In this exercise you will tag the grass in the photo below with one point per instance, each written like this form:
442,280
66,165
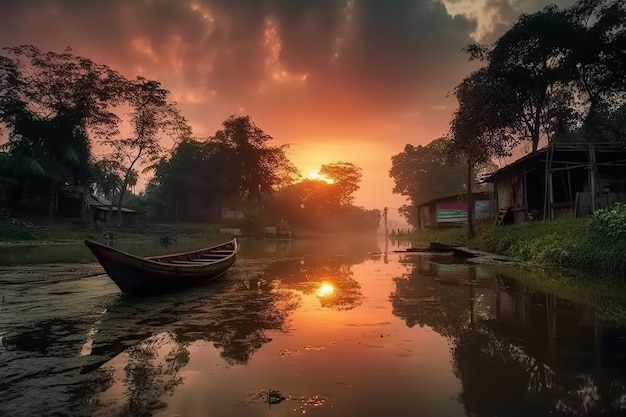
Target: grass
569,243
77,231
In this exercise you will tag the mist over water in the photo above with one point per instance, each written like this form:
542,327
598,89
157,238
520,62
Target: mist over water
337,327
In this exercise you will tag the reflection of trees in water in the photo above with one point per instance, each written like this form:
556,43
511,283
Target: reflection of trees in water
148,379
253,308
235,319
308,274
512,362
501,379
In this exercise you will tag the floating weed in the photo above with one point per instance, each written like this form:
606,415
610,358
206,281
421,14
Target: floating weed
273,397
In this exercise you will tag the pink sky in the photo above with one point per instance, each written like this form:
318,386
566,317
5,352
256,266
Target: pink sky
341,80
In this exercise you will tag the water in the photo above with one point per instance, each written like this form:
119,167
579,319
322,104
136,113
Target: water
336,328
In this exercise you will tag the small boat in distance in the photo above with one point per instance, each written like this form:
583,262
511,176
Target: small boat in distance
157,274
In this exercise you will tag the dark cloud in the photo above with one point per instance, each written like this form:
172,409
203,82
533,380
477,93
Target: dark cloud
388,54
302,68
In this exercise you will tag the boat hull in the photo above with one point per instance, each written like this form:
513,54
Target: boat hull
144,276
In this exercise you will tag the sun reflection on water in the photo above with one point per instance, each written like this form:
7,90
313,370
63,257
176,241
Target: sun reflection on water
325,290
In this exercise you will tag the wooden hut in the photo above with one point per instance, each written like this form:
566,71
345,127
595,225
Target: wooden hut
560,180
451,211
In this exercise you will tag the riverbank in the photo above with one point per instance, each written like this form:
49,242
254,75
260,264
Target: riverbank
26,233
578,244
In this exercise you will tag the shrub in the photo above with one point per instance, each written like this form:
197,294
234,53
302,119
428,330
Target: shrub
609,223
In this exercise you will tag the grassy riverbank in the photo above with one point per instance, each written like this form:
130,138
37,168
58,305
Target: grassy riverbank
73,232
37,233
587,244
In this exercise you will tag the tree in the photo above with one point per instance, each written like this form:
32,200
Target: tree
193,180
475,136
51,105
598,61
255,168
151,116
346,178
107,177
423,173
528,65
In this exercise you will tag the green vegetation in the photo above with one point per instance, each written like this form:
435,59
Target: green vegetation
55,107
77,231
589,244
606,293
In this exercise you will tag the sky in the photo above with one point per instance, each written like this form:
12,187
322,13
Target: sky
339,80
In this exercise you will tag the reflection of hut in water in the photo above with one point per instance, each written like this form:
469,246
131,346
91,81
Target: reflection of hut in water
561,333
447,270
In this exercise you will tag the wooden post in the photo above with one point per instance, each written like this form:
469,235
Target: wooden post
551,197
525,190
592,176
569,188
470,203
546,194
385,210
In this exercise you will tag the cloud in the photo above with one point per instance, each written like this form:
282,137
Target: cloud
322,58
306,70
494,17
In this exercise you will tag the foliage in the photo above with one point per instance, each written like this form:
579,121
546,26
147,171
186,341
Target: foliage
346,178
476,131
322,205
556,74
423,173
609,223
569,243
254,168
192,182
151,116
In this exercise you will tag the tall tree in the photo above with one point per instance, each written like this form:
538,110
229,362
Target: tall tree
151,116
528,65
475,136
52,105
599,62
346,178
256,168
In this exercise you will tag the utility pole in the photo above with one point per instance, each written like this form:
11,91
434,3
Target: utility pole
385,210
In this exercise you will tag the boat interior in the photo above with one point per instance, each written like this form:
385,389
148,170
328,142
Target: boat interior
195,258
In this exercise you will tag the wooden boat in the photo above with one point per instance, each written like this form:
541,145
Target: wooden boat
157,274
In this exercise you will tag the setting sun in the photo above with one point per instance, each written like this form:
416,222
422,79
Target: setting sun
316,176
325,290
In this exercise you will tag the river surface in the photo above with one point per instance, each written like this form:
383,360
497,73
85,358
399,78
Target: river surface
336,327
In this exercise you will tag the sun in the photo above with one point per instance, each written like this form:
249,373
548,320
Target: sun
325,290
316,176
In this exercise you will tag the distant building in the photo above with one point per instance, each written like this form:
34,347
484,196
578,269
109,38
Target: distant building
560,180
451,211
99,209
232,214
